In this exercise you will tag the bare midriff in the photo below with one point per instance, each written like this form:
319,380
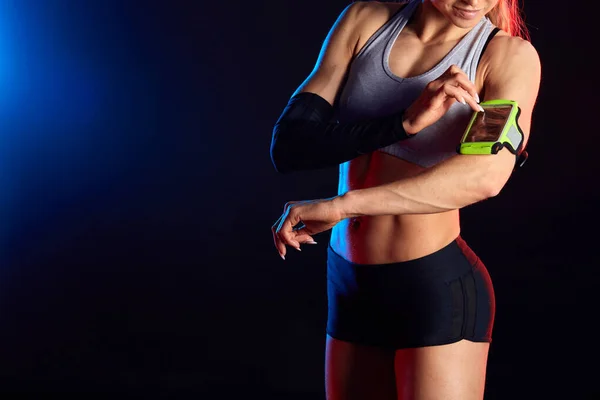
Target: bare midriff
390,238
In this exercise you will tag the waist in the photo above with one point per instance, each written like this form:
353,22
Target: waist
435,264
394,238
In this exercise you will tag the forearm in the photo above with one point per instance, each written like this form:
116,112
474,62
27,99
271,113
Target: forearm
304,137
453,184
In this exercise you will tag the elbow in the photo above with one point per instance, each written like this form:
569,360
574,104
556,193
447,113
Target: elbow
493,190
494,185
278,160
280,152
494,179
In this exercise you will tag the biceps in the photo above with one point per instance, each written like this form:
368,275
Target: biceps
524,92
517,78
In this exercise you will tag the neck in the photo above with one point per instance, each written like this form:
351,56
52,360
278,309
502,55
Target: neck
431,26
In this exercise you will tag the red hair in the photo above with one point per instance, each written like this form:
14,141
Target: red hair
508,16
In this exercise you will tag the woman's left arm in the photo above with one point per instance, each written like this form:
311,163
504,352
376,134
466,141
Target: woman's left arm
514,73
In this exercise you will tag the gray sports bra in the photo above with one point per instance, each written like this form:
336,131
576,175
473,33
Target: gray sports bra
372,89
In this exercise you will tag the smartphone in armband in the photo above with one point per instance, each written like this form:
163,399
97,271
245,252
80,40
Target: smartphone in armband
493,129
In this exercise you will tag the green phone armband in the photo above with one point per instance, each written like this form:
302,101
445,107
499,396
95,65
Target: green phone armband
490,131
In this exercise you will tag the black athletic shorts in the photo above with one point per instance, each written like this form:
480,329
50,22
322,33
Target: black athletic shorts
437,299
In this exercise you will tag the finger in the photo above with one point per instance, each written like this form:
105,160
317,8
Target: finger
447,93
461,95
298,226
276,224
470,100
278,244
280,247
435,85
454,70
463,81
304,238
287,236
285,231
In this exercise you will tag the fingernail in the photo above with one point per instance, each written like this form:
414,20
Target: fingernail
282,256
477,98
311,242
481,109
298,248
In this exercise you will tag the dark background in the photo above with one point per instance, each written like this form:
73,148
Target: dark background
138,194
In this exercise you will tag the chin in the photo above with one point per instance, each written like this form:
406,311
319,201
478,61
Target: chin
463,24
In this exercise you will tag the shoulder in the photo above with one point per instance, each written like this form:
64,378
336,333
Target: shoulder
508,54
371,12
366,17
513,71
511,48
358,13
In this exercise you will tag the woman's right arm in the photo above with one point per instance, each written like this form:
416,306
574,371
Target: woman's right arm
305,137
336,54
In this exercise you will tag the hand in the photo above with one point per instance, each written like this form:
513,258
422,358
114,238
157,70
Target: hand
302,219
452,86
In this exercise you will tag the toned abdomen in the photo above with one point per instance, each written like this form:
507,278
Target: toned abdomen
390,238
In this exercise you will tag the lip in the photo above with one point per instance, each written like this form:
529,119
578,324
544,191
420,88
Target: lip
466,14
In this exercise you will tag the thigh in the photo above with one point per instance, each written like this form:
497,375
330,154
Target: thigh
358,372
454,371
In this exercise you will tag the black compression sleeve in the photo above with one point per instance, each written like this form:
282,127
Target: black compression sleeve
305,138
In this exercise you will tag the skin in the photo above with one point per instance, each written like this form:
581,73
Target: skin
389,210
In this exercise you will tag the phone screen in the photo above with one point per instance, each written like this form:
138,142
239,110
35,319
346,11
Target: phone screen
488,125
